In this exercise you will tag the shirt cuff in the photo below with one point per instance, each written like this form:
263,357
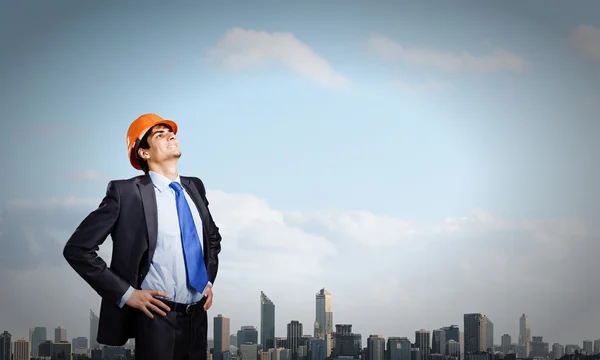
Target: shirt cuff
207,285
126,297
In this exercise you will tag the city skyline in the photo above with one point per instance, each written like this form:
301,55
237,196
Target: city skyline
477,336
421,161
522,336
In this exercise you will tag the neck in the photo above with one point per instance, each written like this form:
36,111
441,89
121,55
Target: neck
168,170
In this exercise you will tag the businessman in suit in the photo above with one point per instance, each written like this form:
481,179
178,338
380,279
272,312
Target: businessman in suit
158,287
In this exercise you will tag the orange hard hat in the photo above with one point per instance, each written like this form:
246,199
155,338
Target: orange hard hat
138,129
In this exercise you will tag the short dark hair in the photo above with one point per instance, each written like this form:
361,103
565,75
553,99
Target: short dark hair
143,144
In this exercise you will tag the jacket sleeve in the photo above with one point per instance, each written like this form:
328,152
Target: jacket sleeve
81,249
214,237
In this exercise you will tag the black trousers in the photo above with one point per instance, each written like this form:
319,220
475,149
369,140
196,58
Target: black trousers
177,336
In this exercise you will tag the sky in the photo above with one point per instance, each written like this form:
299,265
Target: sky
419,161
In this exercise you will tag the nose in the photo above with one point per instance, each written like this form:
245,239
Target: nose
172,136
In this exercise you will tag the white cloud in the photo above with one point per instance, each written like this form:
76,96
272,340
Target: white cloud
430,273
586,40
498,60
241,49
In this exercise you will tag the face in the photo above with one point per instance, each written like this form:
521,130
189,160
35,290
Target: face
164,145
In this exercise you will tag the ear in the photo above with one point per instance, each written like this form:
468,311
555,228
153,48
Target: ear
143,153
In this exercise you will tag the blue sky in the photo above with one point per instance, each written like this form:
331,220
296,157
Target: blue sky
95,69
434,123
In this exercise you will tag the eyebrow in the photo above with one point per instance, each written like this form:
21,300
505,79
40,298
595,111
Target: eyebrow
161,131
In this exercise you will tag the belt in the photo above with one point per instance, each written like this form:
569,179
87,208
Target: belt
183,308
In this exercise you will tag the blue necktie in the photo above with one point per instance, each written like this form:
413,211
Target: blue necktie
192,250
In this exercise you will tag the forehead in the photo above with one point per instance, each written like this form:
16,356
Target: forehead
160,128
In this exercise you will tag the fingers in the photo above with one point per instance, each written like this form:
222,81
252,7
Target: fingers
208,303
147,303
162,305
158,293
155,309
148,313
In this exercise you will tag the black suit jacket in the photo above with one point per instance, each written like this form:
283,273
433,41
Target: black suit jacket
128,213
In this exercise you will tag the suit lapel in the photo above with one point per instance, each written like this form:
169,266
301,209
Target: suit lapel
150,212
193,191
195,195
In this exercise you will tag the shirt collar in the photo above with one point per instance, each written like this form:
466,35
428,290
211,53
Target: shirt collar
161,182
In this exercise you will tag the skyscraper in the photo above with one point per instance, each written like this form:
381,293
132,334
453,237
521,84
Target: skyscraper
38,334
438,342
22,350
452,333
525,335
222,331
558,350
398,348
346,343
267,322
423,343
489,333
94,331
475,336
60,334
376,347
294,333
323,315
505,343
247,334
5,346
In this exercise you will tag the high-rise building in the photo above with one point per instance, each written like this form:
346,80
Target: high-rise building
79,343
475,336
398,348
323,316
50,349
62,350
267,322
588,347
453,333
489,333
505,343
539,348
453,349
525,335
317,349
597,346
221,330
423,343
22,350
94,320
294,333
249,351
376,347
247,335
571,348
346,343
438,342
5,346
37,335
60,334
558,351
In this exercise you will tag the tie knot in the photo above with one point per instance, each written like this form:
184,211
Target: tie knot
175,186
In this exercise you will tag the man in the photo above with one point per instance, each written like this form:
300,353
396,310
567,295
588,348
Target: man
158,287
